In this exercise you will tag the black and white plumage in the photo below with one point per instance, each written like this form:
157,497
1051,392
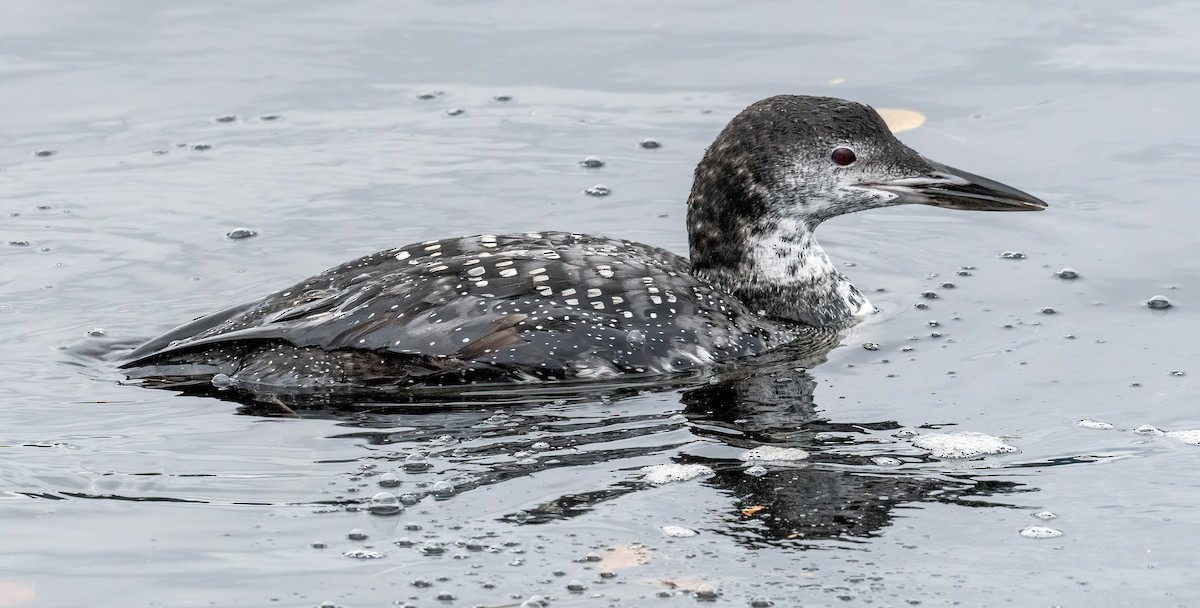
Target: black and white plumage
559,306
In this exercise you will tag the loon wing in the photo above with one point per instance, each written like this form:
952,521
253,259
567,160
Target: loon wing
507,300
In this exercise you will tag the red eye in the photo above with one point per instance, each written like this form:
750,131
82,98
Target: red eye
843,156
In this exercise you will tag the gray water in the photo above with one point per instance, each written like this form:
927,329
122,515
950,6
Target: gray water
163,128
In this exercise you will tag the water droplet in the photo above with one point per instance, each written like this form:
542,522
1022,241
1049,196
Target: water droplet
1158,303
598,190
591,162
241,233
636,339
1067,273
389,480
442,490
384,503
650,143
416,462
705,591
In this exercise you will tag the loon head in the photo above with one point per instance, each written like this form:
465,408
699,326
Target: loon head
787,163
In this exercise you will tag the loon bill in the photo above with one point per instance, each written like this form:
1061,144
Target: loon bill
547,306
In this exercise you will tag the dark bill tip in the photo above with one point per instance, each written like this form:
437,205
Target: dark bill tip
956,189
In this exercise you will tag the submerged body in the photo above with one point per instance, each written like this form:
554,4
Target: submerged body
560,306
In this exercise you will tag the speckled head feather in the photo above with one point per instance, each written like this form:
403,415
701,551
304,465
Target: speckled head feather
771,178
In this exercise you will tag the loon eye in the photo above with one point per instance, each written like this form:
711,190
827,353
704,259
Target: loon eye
843,156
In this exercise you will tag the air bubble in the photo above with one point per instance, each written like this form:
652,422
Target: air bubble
384,503
442,490
706,591
1067,273
1012,255
241,233
636,339
432,547
591,162
1158,303
650,143
222,381
416,462
598,190
389,480
357,534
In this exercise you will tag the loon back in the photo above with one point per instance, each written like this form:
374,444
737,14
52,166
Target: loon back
533,306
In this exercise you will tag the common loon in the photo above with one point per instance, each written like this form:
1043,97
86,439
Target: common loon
546,306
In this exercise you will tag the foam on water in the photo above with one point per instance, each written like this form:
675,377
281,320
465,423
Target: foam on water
771,453
660,474
962,445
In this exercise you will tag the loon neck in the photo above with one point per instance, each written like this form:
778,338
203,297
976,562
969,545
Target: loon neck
784,273
742,243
